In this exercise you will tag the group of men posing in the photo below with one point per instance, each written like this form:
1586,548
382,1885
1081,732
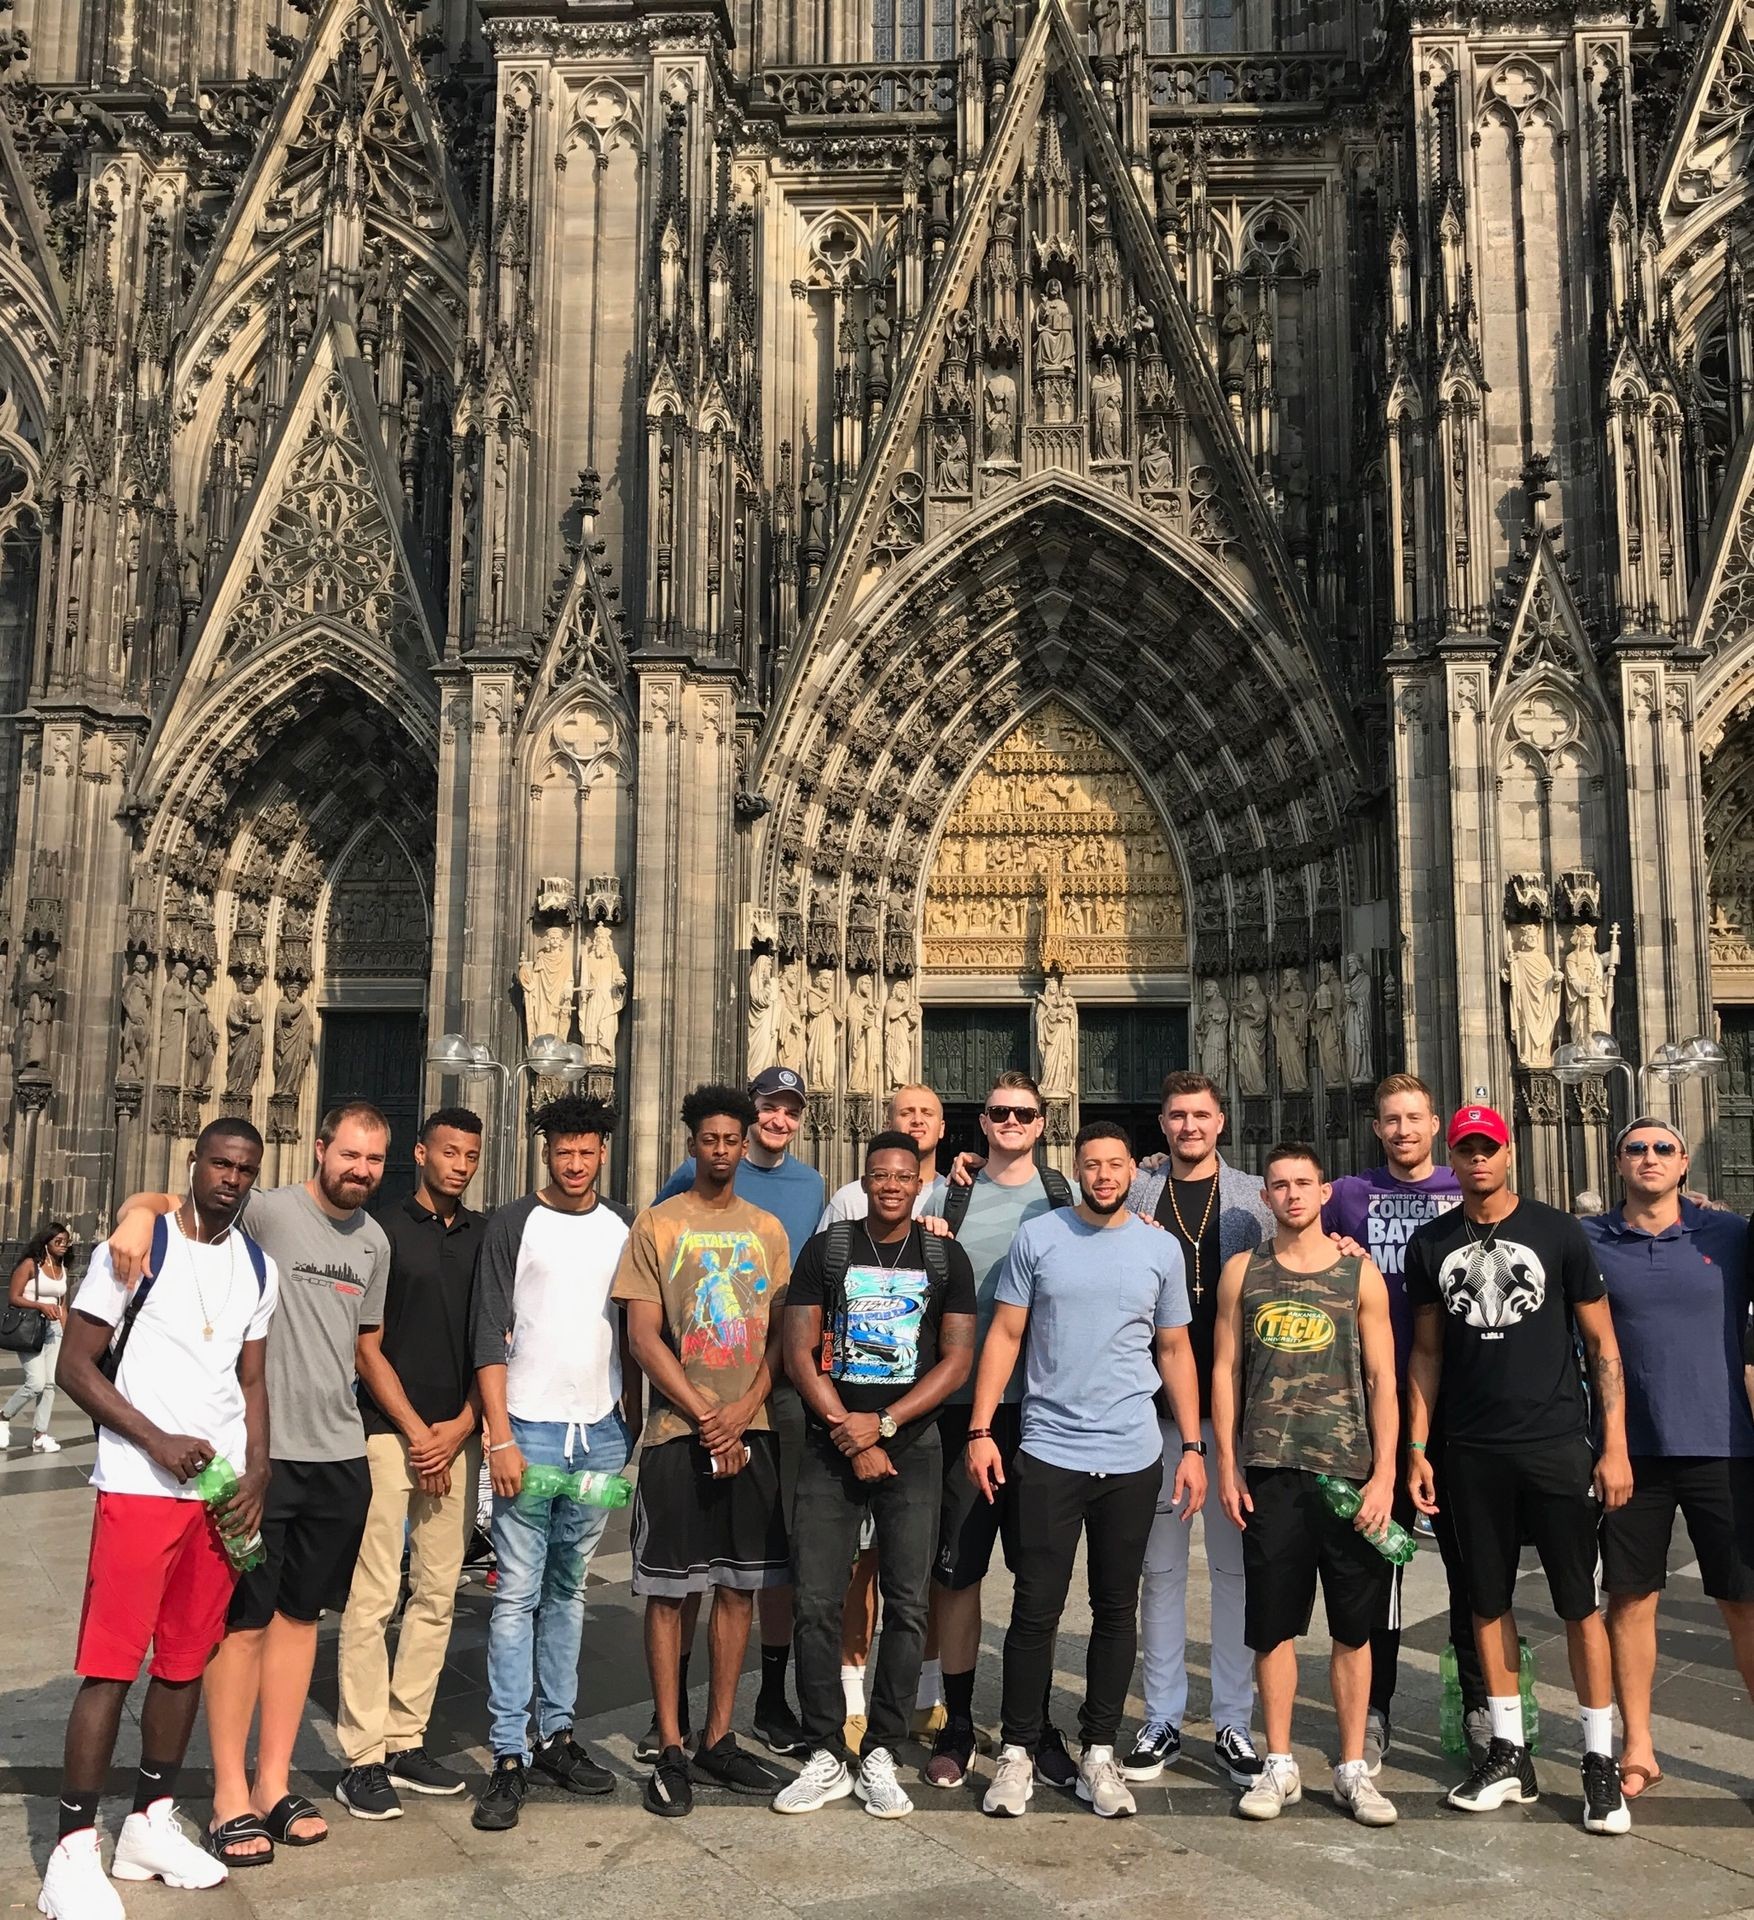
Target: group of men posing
858,1401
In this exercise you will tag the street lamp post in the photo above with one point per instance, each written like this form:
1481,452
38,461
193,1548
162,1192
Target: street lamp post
545,1056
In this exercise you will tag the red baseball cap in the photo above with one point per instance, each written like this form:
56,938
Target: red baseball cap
1485,1121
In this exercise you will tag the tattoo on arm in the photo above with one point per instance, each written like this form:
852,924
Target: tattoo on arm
957,1331
1609,1379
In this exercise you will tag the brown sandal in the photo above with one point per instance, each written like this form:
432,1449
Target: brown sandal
1647,1776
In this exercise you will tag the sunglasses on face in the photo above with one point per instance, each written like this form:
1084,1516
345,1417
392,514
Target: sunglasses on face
1663,1149
1022,1115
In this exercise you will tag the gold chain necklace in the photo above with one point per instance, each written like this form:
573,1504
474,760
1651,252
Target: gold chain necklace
1194,1240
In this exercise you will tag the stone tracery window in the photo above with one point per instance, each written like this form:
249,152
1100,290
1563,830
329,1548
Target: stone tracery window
913,29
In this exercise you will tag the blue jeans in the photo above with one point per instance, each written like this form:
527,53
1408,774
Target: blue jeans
539,1603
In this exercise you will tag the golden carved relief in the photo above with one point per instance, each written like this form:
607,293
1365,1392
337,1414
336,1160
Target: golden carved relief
1053,857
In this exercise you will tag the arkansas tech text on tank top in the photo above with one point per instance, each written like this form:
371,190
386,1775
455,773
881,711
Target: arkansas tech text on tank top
1302,1383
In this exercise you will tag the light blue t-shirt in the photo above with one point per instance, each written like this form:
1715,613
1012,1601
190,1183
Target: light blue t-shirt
988,1228
1096,1297
791,1192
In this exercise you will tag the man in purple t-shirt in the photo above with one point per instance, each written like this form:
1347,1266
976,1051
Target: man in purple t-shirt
1375,1213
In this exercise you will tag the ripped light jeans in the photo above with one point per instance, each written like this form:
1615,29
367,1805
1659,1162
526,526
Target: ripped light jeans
539,1604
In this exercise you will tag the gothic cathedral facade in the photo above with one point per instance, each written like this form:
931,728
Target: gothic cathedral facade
897,537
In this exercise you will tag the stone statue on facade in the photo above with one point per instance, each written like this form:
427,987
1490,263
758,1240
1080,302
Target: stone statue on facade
243,1039
136,1019
602,998
1212,1032
173,1016
1236,341
1328,1024
547,981
821,1033
1535,988
1360,1068
1107,402
999,411
863,1043
901,1024
1156,462
1248,1036
292,1041
1056,1039
1291,1031
791,1016
36,1009
1589,982
764,1014
202,1035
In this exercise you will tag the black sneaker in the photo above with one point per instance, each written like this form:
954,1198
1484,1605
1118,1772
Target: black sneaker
668,1793
651,1743
501,1801
1604,1805
1235,1752
1159,1745
479,1552
952,1752
568,1765
728,1765
366,1793
1054,1766
778,1729
416,1769
1506,1777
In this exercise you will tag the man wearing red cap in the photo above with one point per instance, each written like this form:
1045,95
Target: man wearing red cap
1497,1286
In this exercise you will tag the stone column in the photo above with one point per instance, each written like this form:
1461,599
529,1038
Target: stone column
1424,964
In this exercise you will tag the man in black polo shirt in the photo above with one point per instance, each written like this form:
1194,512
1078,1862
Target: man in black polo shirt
417,1398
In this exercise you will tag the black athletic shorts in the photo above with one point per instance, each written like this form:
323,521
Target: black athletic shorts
968,1523
1290,1540
312,1524
1500,1497
694,1529
1714,1497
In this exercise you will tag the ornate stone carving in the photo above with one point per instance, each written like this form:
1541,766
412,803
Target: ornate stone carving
293,1040
821,1032
1248,1037
1589,981
1056,1040
173,1017
1212,1032
901,1030
549,988
377,926
203,1036
1360,1064
243,1040
764,1014
136,1008
602,995
1328,1024
1535,986
1053,857
791,1015
864,1045
1291,1017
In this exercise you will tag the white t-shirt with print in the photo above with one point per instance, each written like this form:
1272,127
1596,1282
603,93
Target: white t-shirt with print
181,1381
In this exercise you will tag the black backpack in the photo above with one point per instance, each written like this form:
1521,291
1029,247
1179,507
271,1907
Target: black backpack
1057,1186
837,1256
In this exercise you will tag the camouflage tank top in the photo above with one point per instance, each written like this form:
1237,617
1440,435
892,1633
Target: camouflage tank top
1302,1381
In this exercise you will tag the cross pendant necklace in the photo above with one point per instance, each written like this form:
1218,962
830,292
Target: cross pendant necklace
1193,1240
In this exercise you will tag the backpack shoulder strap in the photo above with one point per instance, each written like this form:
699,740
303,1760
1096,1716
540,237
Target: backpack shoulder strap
936,1250
956,1200
1057,1187
837,1256
258,1260
161,1240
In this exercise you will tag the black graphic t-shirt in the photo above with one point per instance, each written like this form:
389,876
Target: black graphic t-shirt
1182,1208
1510,1368
881,1335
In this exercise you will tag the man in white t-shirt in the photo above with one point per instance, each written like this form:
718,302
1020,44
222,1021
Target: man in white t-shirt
190,1387
548,1356
918,1112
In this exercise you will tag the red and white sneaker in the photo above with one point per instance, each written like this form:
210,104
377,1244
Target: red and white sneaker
75,1886
153,1846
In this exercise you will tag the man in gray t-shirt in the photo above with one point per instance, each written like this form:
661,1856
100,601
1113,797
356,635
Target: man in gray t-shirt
334,1263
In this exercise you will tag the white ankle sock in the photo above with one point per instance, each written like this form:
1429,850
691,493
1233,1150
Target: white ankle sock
931,1692
1280,1760
852,1684
1598,1729
1507,1719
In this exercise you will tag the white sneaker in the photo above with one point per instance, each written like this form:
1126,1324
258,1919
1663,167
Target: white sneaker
5,1435
74,1884
153,1846
45,1443
1100,1782
1280,1786
1360,1796
878,1787
824,1778
1013,1784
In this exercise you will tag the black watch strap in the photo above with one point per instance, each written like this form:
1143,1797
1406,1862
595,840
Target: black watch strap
1194,1446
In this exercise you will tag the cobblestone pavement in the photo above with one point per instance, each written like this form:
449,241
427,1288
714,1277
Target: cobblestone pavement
1691,1851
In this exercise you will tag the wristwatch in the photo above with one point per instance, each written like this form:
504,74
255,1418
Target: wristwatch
1194,1446
886,1425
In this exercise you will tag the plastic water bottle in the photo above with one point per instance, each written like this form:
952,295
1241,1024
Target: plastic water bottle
216,1482
1452,1726
540,1485
1525,1686
1344,1500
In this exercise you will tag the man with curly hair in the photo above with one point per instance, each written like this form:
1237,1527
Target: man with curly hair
548,1342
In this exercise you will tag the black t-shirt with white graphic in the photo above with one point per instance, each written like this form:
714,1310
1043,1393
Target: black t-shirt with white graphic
1510,1369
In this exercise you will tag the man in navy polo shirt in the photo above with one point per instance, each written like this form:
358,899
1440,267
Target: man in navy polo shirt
1677,1277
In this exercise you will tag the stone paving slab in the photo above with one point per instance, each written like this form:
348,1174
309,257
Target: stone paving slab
1690,1855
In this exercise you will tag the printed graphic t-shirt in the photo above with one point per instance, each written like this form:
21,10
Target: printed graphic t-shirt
1510,1372
791,1192
718,1273
333,1277
881,1336
1380,1213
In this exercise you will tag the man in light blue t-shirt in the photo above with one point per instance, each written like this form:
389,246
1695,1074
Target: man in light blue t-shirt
1104,1303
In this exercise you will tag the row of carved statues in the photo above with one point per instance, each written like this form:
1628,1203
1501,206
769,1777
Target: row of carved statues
1549,974
188,1039
805,1020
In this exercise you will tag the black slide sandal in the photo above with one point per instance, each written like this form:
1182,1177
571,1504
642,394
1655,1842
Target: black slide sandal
220,1840
280,1817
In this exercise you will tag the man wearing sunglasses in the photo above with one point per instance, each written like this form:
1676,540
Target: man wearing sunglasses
1677,1277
